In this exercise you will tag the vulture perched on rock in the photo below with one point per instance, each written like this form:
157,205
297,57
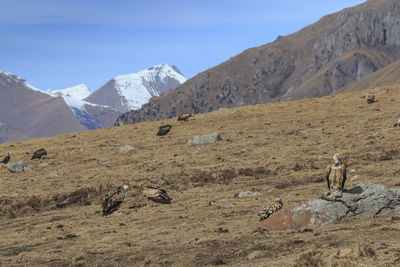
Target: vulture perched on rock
271,208
163,130
336,174
39,154
156,194
5,159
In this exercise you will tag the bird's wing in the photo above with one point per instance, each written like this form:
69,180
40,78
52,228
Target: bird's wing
328,172
344,173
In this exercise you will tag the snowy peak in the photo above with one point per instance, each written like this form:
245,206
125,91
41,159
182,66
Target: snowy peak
9,79
78,92
137,88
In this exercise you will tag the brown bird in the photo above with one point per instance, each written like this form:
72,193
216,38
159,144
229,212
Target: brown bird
39,154
163,130
5,159
271,208
184,116
336,174
370,98
113,200
156,194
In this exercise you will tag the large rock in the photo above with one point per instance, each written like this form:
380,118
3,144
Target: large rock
366,200
207,138
19,166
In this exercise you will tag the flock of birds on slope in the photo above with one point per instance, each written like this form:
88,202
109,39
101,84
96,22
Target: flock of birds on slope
335,177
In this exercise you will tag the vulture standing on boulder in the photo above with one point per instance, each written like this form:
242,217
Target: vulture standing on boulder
336,174
39,154
184,116
156,194
163,130
271,208
5,159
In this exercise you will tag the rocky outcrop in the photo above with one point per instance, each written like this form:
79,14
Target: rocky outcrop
316,61
365,200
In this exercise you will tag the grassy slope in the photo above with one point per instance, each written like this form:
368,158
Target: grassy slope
263,149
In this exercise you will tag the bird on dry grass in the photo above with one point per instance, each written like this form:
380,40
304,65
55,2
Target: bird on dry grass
370,98
39,154
114,199
155,193
271,208
5,159
184,116
336,174
397,124
163,130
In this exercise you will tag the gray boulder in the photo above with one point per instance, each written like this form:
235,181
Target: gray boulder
363,200
207,138
19,166
126,148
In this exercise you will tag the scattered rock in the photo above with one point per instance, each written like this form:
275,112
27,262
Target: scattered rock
222,230
43,164
247,193
311,130
153,139
207,138
69,152
103,161
19,166
126,148
355,177
366,200
253,255
198,150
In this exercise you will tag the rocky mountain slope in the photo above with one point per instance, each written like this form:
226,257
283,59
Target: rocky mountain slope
27,112
51,215
318,60
129,92
387,75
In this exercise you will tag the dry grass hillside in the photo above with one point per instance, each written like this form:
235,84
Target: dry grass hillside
280,150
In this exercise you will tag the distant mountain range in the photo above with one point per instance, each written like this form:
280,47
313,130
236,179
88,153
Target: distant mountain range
323,58
27,112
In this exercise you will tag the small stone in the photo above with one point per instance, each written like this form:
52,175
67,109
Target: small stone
355,177
153,139
103,161
43,164
69,152
253,255
19,166
126,148
198,150
207,138
247,193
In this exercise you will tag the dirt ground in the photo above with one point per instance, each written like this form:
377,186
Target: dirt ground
279,150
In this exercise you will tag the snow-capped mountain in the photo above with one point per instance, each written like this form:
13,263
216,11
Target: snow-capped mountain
80,92
85,111
130,91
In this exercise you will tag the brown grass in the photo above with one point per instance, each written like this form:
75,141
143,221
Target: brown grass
51,216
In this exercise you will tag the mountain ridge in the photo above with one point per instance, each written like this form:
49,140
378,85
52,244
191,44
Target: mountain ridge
317,60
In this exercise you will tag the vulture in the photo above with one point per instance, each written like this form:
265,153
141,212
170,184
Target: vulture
336,174
163,130
5,159
184,116
113,200
370,98
271,208
39,154
156,194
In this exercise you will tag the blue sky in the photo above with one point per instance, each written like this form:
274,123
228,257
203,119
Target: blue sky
55,44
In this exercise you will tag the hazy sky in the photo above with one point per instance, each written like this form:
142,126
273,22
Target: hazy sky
55,44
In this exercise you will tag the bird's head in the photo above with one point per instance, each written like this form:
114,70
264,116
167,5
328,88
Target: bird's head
337,158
